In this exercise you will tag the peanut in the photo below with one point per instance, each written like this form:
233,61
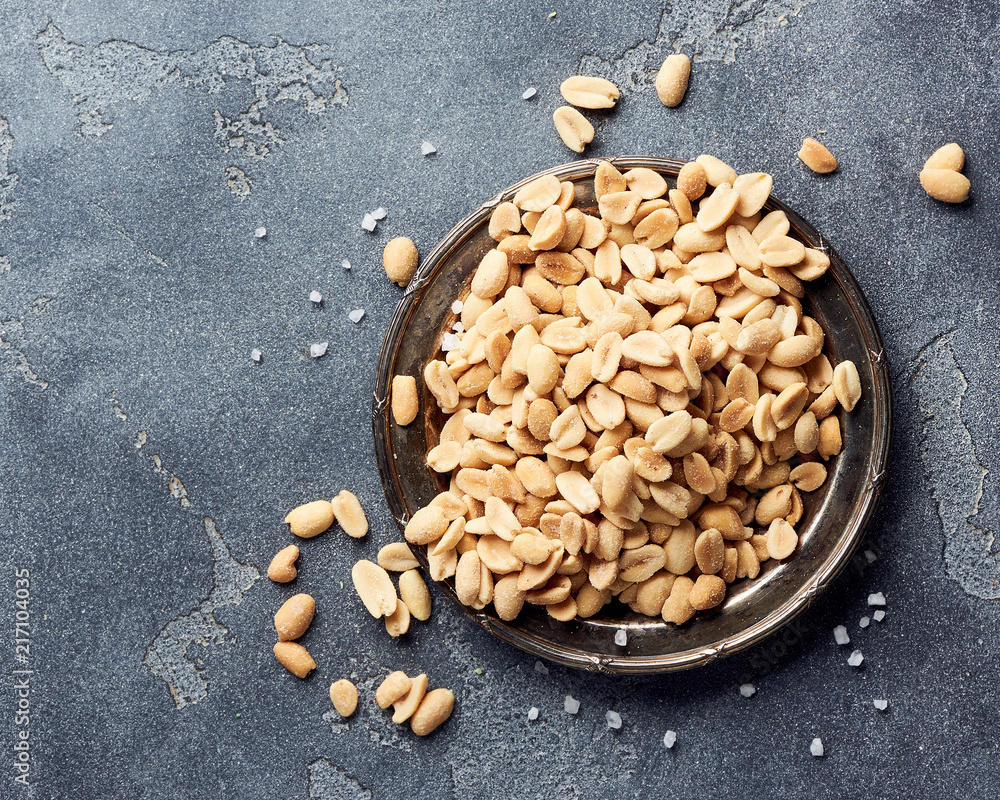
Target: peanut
310,519
349,514
815,156
400,260
672,79
573,128
434,709
295,658
282,566
586,91
294,617
405,403
413,592
395,686
374,588
344,696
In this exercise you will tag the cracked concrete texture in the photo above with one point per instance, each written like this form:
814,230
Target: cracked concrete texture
143,240
955,473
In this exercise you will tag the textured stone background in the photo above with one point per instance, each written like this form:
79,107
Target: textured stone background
146,462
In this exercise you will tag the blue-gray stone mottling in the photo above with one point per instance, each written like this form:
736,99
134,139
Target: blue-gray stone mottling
147,462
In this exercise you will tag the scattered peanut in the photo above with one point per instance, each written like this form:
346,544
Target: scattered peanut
435,707
344,696
573,128
310,519
349,514
816,156
405,706
672,79
282,566
295,658
294,617
589,92
945,185
400,260
392,689
413,592
374,588
397,557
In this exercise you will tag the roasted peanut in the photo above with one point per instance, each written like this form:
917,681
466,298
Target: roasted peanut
282,566
310,519
349,514
344,696
294,617
815,156
434,709
405,403
400,260
295,658
672,79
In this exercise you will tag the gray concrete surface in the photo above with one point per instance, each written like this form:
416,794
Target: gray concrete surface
147,462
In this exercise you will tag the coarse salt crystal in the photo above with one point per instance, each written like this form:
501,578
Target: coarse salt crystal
379,213
877,599
457,306
621,637
748,690
840,635
614,720
881,705
255,354
870,556
532,713
260,232
541,668
572,705
864,622
427,148
669,739
855,658
356,315
879,615
315,296
449,342
530,92
458,327
368,223
345,264
816,748
317,350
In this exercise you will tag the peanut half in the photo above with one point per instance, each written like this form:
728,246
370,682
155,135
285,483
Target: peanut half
310,519
815,155
295,658
344,696
573,128
587,91
672,79
374,588
349,514
400,260
405,403
294,617
282,566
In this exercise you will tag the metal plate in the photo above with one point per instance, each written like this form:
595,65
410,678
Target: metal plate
835,516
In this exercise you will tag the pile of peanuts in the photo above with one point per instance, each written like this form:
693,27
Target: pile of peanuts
631,394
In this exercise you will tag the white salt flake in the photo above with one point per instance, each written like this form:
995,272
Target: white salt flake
669,739
346,264
881,705
879,615
572,705
748,690
449,342
315,296
356,315
840,635
816,748
458,327
379,213
260,232
614,720
318,350
621,637
368,223
532,713
427,148
877,599
541,668
530,92
855,658
864,622
870,556
457,306
255,355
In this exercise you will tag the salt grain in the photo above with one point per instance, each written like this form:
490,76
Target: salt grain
881,705
260,233
449,342
318,350
870,556
621,637
530,92
379,213
255,355
816,748
458,327
864,622
572,705
669,739
369,223
457,306
748,690
532,713
855,659
346,264
614,720
427,148
315,296
356,315
541,668
877,599
879,615
840,635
